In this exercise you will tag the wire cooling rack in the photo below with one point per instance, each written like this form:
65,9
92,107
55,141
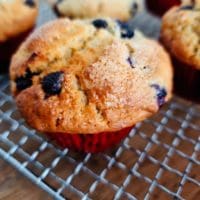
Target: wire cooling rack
160,159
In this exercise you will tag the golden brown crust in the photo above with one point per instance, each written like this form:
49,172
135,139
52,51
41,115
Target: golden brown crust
101,92
16,17
180,33
189,2
117,9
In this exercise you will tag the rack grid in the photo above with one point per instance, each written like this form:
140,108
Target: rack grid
160,159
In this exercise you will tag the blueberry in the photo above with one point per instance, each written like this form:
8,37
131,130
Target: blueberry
100,23
30,3
126,31
134,8
130,62
52,83
25,81
187,7
161,94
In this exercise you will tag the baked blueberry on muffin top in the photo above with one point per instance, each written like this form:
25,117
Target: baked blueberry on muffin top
30,3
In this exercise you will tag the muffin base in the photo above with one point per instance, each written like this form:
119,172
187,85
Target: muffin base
90,143
187,80
159,7
8,48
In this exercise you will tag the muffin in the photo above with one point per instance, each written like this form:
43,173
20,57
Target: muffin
180,33
117,9
159,7
86,83
17,17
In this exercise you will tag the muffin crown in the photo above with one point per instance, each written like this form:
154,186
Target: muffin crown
89,76
16,16
180,33
119,9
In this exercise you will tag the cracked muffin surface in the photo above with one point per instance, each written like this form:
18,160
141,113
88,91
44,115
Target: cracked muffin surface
89,76
180,33
16,17
118,9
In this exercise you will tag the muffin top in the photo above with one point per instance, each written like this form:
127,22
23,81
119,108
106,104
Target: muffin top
118,9
180,33
16,16
190,2
89,76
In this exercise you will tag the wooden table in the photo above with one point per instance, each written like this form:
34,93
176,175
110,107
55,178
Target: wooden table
13,186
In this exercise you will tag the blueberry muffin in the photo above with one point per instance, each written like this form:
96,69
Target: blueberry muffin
117,9
159,7
180,33
17,17
88,82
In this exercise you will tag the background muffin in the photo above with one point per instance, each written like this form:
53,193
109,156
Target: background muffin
117,9
180,33
159,7
17,17
88,81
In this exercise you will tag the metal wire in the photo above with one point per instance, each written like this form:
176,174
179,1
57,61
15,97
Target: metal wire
135,170
13,146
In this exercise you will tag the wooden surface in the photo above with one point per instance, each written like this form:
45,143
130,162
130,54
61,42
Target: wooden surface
13,186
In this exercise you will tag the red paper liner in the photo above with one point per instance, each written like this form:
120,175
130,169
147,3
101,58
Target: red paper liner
187,80
159,7
8,48
90,143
